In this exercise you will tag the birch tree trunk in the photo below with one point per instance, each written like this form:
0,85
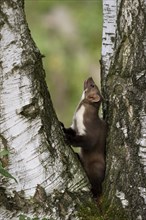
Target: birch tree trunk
51,183
124,87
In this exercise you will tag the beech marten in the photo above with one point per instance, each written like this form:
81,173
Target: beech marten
88,131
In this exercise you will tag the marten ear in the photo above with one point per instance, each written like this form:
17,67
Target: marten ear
94,98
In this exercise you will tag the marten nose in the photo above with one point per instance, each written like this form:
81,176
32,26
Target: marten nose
88,82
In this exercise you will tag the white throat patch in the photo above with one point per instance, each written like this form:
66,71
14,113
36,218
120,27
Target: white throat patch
78,120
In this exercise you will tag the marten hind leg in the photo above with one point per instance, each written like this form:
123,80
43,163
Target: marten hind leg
96,189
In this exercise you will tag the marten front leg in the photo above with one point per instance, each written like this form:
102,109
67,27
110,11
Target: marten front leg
69,133
78,141
74,139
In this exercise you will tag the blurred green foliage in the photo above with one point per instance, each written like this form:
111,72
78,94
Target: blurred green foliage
68,33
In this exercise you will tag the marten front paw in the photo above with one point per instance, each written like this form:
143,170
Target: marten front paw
69,133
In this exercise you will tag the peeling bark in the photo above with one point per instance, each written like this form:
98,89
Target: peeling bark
124,77
51,183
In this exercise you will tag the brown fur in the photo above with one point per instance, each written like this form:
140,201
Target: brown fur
92,143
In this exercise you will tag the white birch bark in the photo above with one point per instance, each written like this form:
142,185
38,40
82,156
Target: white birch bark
124,77
39,159
108,36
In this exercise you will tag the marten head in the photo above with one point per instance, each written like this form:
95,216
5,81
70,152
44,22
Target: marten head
91,91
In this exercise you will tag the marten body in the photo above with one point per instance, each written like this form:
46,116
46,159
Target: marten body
88,131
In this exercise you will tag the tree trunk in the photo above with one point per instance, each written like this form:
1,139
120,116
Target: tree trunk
123,78
51,183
